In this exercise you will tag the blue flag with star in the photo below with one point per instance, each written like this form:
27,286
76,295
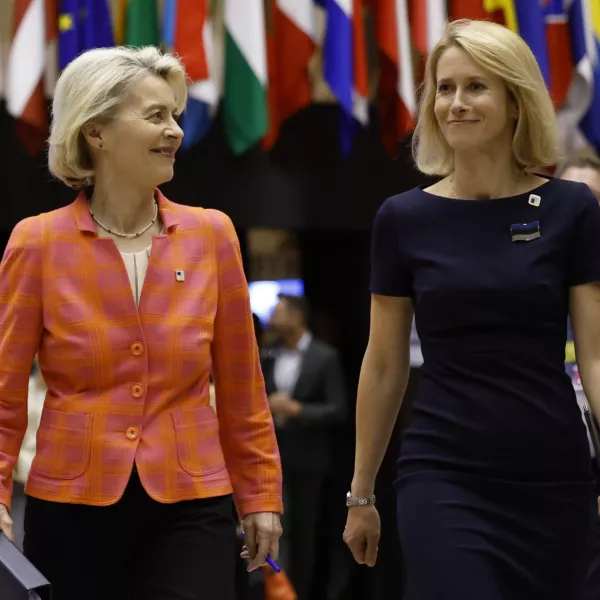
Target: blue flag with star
83,25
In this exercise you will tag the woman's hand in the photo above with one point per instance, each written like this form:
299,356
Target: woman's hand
6,523
363,528
261,538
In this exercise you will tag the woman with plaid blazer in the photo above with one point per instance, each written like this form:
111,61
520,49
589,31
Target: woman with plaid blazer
131,302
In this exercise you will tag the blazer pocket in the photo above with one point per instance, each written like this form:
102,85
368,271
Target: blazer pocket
63,444
198,444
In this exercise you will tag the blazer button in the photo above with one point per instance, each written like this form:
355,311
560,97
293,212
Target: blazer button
137,348
137,390
133,433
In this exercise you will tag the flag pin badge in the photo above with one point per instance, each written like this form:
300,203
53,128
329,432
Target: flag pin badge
179,275
525,232
534,199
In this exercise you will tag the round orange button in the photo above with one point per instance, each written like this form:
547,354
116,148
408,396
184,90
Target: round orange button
137,348
133,433
137,391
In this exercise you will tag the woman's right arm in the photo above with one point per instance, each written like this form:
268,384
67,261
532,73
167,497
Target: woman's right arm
20,334
384,373
381,387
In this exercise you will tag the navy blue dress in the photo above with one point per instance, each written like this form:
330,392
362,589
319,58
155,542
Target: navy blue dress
494,486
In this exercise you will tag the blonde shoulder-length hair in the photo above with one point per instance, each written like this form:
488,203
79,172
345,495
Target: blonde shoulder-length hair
90,90
502,52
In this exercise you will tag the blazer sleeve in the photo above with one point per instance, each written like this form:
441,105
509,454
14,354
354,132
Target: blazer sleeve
246,426
333,410
20,335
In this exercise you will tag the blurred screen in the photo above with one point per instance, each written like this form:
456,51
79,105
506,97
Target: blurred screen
264,295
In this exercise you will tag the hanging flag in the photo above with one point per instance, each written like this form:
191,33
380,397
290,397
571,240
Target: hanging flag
506,12
468,9
168,23
193,42
83,25
360,99
51,74
291,34
531,26
396,93
120,19
190,18
245,101
337,52
428,21
34,26
560,56
345,67
482,10
583,107
141,23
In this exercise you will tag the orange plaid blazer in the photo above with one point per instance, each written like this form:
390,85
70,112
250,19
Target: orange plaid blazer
131,384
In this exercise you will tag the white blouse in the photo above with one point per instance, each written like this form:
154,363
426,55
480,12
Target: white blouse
136,264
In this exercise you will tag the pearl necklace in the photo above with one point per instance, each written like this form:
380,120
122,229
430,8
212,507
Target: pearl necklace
127,235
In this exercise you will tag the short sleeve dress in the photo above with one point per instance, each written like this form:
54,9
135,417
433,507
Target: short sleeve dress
495,492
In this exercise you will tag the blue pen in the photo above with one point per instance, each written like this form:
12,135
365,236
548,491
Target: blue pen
271,563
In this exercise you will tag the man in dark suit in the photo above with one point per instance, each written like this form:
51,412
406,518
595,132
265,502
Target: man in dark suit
305,385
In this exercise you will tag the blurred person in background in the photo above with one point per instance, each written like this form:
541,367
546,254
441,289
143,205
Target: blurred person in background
131,302
494,487
585,168
307,396
36,395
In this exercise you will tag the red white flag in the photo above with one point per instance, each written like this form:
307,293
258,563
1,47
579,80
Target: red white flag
291,35
428,19
34,26
397,95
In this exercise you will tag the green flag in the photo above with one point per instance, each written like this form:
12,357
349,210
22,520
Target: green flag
141,23
245,103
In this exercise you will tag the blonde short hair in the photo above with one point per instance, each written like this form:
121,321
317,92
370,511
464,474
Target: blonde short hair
502,52
90,89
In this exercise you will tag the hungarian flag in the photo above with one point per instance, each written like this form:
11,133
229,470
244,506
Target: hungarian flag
245,101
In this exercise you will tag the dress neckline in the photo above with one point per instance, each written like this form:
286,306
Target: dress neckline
536,190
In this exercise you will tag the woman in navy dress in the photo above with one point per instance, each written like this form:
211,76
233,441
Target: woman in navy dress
494,488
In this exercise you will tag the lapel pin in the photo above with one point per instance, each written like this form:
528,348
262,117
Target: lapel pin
534,199
179,275
525,232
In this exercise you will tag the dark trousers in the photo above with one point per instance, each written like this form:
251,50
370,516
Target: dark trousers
592,584
136,549
303,507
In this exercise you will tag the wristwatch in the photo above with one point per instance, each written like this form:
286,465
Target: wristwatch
352,501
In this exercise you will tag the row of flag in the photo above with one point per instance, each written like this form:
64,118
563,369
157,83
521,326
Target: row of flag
255,58
563,35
